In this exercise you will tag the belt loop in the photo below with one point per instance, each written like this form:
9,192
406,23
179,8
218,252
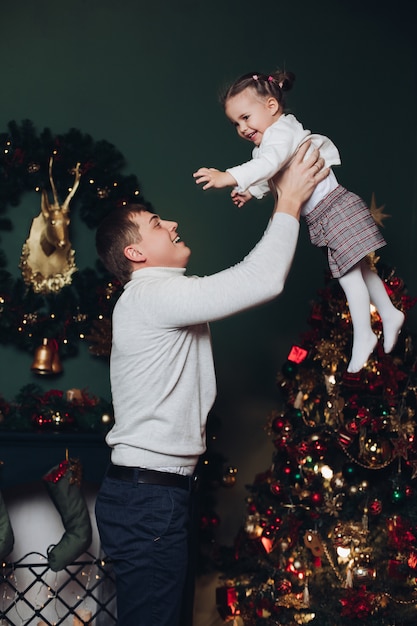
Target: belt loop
135,477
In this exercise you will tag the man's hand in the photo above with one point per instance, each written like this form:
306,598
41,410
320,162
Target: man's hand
213,178
297,182
239,199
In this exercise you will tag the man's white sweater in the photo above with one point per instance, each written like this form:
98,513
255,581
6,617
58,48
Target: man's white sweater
161,367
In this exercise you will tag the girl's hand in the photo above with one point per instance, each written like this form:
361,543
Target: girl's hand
239,199
213,178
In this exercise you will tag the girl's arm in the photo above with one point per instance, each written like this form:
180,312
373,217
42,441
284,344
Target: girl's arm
261,275
213,178
278,147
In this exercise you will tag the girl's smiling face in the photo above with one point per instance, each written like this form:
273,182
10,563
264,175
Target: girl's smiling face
251,115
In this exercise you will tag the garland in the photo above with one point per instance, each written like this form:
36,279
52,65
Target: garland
74,410
82,309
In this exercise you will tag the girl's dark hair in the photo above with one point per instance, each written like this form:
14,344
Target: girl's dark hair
116,231
265,85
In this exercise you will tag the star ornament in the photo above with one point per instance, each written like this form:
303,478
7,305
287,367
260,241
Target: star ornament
401,447
378,212
413,465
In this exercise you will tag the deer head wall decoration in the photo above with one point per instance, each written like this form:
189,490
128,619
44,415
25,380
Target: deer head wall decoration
48,260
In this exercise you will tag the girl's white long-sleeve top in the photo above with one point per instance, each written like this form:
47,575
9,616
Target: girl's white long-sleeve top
279,144
161,366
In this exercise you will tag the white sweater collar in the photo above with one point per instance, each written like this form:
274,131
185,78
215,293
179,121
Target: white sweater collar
156,271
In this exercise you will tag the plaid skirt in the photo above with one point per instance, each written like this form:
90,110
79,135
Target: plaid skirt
343,223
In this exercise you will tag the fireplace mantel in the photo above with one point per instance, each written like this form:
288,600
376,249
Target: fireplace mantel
26,457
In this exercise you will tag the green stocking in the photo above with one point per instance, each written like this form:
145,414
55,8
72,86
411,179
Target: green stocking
6,532
63,485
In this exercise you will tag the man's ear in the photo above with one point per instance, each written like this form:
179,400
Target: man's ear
133,253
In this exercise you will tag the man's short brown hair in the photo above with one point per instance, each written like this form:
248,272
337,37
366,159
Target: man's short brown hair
115,232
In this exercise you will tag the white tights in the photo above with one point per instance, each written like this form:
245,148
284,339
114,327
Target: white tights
363,286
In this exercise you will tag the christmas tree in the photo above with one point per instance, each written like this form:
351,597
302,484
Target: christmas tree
330,534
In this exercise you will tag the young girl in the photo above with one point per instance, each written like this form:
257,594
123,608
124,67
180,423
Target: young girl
336,218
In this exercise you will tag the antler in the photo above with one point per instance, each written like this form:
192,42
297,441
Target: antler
56,201
74,187
67,200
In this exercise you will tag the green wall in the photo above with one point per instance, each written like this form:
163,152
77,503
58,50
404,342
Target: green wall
145,76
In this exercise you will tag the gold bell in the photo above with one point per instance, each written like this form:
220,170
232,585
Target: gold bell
56,363
46,360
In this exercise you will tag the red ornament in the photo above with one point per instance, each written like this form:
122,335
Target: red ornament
214,521
280,443
297,354
412,560
357,604
276,488
316,498
283,587
397,569
278,424
345,439
226,600
42,420
203,522
268,531
318,448
375,507
352,426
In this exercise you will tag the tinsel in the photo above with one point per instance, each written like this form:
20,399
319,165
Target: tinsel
69,465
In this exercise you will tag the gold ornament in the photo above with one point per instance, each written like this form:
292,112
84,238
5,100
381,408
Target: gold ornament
347,534
33,168
229,477
333,505
378,212
331,352
100,337
57,419
338,482
372,260
103,192
47,260
252,526
106,419
362,570
304,618
375,451
46,360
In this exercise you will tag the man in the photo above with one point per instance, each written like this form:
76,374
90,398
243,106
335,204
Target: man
163,385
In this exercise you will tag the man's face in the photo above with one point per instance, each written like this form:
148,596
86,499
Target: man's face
160,245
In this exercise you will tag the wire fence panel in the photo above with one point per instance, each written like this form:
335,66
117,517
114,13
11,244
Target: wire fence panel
82,594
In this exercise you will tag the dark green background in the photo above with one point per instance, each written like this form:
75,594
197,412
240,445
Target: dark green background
146,76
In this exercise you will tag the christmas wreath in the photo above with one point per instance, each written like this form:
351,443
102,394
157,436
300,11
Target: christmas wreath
81,309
